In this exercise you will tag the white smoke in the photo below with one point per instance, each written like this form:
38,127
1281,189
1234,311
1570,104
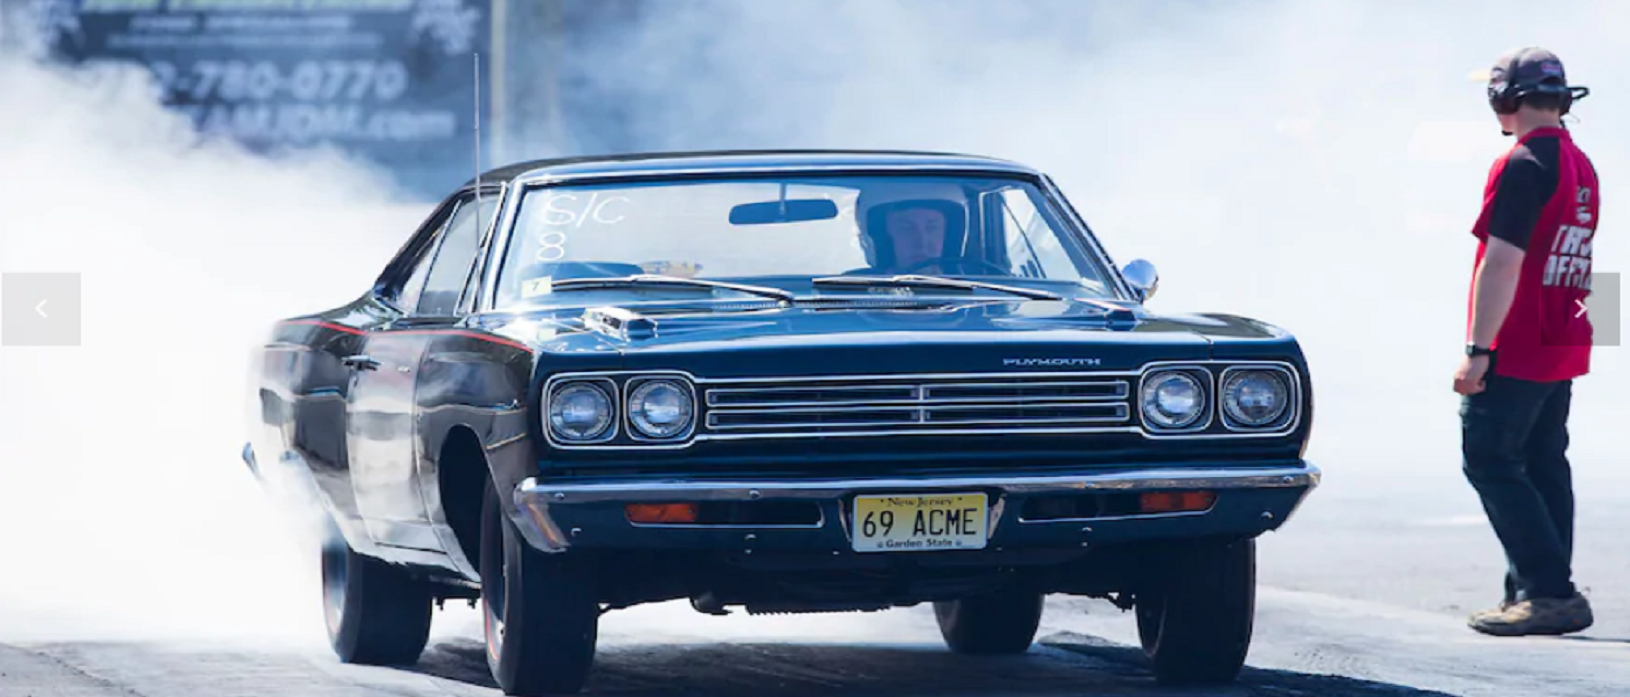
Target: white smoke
124,506
1313,164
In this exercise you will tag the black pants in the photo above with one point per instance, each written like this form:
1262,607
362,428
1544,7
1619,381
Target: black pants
1514,438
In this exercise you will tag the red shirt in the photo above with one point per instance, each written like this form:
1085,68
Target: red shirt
1543,197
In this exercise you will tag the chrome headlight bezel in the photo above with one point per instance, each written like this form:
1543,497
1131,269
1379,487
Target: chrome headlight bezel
1148,398
639,428
1288,392
607,392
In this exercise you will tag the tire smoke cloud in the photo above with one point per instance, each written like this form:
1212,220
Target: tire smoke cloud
1315,164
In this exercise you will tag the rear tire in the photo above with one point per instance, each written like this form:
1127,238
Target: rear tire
540,613
1003,622
376,614
1196,615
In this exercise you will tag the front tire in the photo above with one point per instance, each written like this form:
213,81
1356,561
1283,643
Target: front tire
1003,622
540,615
1196,614
376,614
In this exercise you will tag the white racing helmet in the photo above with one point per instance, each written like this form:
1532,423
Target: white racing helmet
878,199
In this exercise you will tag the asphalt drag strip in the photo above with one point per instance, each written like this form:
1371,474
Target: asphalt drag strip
1307,645
1062,665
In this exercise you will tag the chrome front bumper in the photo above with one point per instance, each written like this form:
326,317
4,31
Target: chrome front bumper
538,504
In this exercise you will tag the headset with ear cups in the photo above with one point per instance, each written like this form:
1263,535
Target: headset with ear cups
1505,95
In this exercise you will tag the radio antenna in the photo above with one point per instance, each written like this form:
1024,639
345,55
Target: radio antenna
478,135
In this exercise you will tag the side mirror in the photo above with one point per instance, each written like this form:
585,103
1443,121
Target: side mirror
1143,278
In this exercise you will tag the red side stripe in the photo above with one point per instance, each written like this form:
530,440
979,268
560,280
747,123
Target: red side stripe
326,325
456,332
404,332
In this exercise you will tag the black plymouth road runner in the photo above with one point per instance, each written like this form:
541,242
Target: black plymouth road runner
788,382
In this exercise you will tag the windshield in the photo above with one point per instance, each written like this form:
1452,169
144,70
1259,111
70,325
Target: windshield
786,232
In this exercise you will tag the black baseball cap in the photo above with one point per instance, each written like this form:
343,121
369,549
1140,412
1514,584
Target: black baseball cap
1529,69
1525,71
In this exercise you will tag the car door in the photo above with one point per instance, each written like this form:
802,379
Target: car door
311,365
382,436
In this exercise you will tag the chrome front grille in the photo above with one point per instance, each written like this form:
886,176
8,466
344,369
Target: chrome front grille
916,404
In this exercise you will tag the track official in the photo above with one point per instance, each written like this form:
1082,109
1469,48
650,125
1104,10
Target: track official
1528,339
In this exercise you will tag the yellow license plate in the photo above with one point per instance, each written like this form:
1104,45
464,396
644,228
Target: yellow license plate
920,523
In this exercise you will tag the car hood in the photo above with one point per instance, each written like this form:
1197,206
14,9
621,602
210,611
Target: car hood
853,338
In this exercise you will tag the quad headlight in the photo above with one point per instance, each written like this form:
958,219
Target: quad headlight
581,411
1173,400
1255,398
661,409
603,410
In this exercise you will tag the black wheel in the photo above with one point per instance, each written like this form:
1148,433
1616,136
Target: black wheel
994,623
539,611
1195,615
376,614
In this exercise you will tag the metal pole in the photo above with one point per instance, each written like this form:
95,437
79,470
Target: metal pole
498,122
7,18
554,17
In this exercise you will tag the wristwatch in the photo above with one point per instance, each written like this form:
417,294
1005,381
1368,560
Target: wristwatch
1473,349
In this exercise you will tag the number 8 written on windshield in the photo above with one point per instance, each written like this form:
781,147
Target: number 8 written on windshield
562,211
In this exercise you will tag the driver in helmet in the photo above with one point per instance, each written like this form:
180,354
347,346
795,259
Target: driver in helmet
913,227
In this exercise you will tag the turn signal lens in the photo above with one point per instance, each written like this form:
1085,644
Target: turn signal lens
662,512
1176,501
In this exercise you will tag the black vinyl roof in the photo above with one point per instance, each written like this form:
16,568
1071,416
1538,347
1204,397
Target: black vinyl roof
740,160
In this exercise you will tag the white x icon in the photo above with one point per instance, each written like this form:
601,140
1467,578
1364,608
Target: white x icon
1582,309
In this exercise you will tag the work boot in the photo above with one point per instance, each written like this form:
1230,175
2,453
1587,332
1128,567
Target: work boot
1504,606
1536,616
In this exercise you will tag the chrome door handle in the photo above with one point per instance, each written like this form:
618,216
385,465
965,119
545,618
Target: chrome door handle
360,362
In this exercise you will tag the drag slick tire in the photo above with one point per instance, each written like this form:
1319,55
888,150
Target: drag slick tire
1195,615
376,614
1003,622
539,612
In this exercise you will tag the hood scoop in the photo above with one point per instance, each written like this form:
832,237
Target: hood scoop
619,323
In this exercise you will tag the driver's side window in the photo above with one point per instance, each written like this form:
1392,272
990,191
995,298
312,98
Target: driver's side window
406,297
455,257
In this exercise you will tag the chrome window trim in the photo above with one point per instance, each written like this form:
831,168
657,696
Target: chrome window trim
545,177
1123,288
515,189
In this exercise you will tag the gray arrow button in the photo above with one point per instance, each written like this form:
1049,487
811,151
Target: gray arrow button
39,309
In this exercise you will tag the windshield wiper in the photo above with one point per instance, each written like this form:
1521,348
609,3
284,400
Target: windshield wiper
660,280
910,280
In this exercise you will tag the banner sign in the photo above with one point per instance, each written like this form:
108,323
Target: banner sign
390,80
